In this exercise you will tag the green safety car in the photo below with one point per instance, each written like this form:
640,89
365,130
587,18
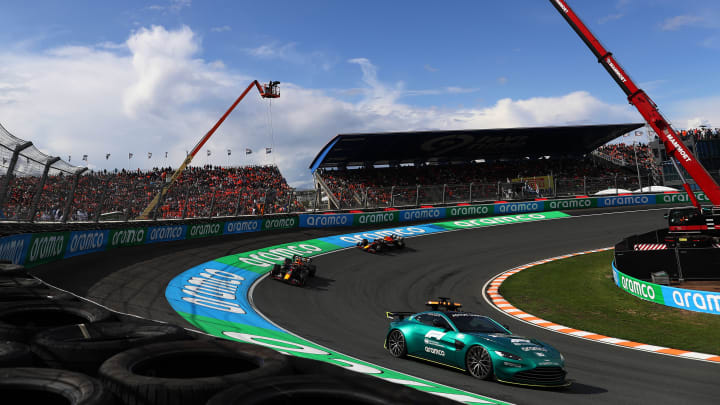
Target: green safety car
474,343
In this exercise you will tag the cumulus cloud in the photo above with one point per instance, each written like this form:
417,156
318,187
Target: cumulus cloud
156,94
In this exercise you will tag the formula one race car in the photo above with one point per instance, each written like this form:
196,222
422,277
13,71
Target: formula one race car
475,343
381,244
295,271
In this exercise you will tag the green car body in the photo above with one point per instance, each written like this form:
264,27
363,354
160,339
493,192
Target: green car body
476,344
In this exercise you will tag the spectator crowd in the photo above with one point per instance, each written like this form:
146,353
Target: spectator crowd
199,191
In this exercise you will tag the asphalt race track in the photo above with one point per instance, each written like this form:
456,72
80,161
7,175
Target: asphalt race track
343,307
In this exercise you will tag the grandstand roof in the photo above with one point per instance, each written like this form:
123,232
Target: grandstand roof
465,145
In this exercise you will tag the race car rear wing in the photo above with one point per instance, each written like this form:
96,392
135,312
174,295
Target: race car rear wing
398,315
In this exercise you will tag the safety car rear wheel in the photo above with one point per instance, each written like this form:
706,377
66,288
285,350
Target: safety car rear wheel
478,363
396,344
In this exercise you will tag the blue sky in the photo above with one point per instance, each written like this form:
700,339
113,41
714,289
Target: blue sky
89,77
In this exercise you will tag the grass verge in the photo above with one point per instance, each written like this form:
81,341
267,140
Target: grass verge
579,292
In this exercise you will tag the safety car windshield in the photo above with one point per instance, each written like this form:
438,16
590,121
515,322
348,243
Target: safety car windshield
471,323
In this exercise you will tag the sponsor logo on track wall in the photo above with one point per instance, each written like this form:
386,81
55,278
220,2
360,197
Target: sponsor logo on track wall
678,198
262,260
83,242
617,201
512,208
376,218
569,204
166,233
692,300
14,248
639,288
325,220
46,247
280,223
421,214
234,227
126,237
470,210
204,230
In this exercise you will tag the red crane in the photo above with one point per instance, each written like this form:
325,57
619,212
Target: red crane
269,90
686,220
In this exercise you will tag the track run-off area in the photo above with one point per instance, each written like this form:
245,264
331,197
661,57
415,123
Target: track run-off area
342,310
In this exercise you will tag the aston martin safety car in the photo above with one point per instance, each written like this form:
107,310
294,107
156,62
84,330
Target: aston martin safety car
474,343
295,271
382,244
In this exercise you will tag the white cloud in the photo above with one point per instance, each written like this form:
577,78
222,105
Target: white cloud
156,94
675,23
224,28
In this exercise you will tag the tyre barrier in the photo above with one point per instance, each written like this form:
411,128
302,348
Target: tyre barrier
187,373
19,282
20,321
15,354
15,295
84,347
56,349
12,270
28,385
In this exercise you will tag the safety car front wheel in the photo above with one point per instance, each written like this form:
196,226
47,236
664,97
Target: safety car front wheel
478,363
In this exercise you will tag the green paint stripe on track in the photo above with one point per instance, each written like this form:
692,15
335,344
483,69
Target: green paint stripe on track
296,346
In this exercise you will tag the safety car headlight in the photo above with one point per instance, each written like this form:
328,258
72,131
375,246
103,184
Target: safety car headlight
507,355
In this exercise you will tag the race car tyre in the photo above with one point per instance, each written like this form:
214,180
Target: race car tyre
312,269
303,277
28,385
275,270
12,270
15,354
299,389
187,372
19,321
19,282
84,347
396,344
478,363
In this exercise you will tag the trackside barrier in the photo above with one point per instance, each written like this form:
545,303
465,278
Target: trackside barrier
40,248
692,300
213,296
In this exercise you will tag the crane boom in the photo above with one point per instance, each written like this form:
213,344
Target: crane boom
647,108
269,90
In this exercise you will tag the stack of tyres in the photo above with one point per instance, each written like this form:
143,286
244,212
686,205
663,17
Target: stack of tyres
29,307
55,348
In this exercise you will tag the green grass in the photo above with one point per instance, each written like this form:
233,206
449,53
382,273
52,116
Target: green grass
579,292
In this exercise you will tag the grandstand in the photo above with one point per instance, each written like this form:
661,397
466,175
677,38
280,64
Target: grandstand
443,167
410,170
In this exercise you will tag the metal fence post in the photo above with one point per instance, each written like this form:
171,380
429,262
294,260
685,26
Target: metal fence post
41,185
470,196
71,195
584,185
417,195
443,195
392,196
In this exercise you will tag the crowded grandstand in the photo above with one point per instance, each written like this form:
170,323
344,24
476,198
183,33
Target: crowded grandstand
62,192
